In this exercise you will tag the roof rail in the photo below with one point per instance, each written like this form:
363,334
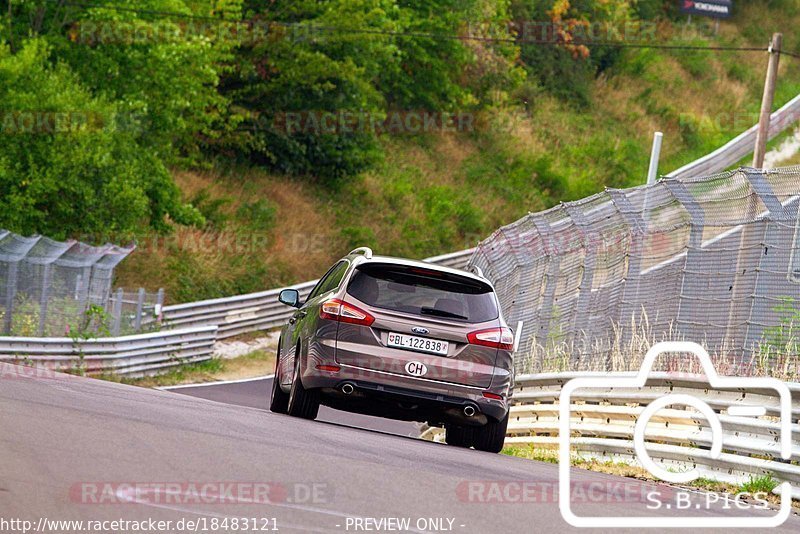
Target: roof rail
366,251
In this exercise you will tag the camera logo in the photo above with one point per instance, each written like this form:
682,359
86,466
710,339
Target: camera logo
639,381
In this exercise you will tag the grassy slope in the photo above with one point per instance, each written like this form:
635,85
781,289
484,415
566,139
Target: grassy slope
443,193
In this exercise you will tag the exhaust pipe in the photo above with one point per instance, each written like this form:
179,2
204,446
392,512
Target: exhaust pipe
348,388
469,410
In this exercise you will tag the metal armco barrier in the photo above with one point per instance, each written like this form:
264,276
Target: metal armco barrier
260,311
737,148
602,424
134,355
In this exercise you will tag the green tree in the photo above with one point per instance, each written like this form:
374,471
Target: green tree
70,163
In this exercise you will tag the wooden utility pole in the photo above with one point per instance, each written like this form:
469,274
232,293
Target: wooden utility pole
767,100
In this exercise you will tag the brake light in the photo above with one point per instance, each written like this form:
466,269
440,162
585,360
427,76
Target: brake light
498,338
337,310
493,396
329,368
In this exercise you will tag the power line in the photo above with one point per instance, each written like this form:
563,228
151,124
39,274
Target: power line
429,35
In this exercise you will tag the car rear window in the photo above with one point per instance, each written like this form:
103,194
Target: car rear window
425,292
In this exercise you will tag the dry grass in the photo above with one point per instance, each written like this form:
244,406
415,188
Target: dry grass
627,345
258,363
298,247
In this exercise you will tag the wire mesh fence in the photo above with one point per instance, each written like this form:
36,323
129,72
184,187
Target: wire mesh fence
52,288
714,260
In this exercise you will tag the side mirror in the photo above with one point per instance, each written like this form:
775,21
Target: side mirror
290,297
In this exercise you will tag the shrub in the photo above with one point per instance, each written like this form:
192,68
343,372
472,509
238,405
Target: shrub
82,175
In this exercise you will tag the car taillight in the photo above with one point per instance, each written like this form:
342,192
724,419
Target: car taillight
493,396
498,338
337,310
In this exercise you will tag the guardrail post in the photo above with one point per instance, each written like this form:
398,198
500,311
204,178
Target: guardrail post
11,293
137,324
117,312
44,297
159,306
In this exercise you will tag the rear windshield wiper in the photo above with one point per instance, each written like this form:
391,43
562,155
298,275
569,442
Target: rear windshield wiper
441,313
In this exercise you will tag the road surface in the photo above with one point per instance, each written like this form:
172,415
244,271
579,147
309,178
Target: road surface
81,449
255,394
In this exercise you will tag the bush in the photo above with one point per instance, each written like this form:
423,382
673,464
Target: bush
66,168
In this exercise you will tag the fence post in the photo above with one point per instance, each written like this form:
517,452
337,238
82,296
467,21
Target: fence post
44,297
589,264
748,261
11,293
693,251
137,325
633,272
553,268
117,311
83,289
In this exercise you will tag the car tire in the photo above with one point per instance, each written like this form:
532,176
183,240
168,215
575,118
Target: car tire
279,401
492,435
303,403
458,436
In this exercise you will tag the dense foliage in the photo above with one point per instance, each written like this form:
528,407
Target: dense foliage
169,83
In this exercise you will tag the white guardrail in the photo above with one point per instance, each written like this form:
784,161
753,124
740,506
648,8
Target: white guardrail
134,355
739,147
602,423
260,311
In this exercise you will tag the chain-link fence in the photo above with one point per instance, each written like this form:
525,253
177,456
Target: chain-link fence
47,287
714,260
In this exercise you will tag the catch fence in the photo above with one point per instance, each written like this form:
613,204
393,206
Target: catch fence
47,287
715,260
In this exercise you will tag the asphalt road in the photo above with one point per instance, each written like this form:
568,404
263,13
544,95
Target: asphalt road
82,449
255,394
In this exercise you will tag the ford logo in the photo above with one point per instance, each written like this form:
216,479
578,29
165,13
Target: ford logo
420,330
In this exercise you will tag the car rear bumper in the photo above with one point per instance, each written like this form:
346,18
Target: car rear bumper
408,398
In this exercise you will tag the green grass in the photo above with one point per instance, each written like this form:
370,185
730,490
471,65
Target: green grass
762,484
257,363
178,375
531,453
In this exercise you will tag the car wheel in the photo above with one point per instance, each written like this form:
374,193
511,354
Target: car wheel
491,436
303,403
458,436
279,401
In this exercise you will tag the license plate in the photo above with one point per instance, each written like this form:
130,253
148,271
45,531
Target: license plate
421,344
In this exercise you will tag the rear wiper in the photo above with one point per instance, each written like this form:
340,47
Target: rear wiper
440,313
